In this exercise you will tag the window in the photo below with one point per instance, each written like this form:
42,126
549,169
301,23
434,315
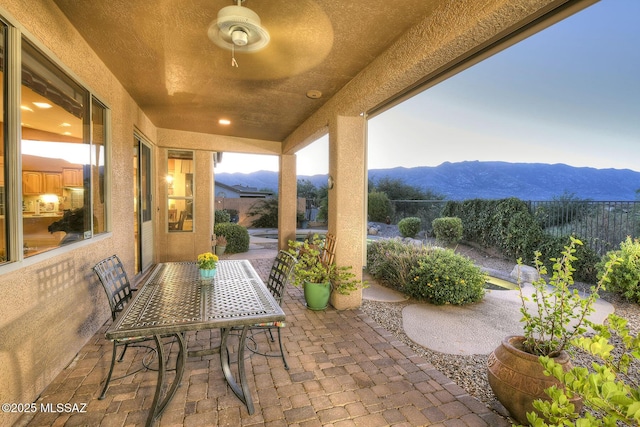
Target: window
3,201
63,157
98,140
180,190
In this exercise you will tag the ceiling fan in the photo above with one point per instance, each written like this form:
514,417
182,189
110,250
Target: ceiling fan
238,28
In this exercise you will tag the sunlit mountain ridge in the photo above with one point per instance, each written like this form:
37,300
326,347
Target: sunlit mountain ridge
486,180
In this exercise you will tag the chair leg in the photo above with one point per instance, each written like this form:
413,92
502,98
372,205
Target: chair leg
106,382
284,359
271,334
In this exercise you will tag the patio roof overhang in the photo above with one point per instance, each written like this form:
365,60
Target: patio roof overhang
360,55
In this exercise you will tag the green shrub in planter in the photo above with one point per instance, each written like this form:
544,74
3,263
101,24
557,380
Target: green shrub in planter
390,261
444,277
624,277
447,229
409,227
237,236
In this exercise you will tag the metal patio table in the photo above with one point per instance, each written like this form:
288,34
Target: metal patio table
175,300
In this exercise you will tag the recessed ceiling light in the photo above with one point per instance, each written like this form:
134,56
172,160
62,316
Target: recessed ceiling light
42,104
65,125
25,108
66,133
314,94
224,122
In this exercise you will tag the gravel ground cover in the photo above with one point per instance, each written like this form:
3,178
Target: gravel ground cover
469,372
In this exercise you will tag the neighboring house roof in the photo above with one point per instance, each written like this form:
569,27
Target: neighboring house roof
243,191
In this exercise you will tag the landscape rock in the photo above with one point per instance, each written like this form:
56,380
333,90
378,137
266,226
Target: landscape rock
525,273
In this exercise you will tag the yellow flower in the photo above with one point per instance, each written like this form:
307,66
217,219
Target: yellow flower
207,261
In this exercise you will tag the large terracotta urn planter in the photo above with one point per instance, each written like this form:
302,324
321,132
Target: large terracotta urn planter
517,378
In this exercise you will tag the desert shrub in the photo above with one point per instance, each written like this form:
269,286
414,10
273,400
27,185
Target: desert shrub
409,227
609,389
237,236
390,261
444,277
379,206
222,215
625,275
447,229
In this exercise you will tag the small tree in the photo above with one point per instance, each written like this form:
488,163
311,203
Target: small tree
379,206
266,211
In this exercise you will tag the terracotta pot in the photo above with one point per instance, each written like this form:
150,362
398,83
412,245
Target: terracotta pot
517,379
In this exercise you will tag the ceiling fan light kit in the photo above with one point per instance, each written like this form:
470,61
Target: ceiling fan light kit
238,28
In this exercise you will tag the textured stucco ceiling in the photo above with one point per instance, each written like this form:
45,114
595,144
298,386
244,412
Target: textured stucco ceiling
160,52
360,54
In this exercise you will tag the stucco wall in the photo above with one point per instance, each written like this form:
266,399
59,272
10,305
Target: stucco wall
52,303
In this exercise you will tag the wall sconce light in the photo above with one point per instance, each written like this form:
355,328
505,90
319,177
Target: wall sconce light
330,182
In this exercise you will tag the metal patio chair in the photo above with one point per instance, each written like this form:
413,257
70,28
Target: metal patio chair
279,276
116,284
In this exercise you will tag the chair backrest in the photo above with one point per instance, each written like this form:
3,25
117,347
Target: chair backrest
114,279
329,249
183,216
280,274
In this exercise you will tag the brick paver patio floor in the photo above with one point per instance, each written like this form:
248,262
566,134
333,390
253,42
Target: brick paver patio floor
345,370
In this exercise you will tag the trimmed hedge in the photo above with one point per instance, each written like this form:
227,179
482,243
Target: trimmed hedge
409,227
509,226
237,236
444,277
447,229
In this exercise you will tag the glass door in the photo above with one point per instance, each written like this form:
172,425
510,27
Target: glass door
143,218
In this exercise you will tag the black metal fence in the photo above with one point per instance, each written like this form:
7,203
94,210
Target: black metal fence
600,225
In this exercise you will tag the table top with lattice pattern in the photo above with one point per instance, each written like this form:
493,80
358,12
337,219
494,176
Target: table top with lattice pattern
175,299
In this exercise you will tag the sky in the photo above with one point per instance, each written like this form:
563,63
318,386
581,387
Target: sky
568,94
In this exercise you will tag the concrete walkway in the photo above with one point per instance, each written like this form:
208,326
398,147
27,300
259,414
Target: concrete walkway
469,329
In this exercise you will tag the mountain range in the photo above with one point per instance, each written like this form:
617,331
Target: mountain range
486,180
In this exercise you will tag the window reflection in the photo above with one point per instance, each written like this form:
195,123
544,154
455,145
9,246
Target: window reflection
55,156
180,190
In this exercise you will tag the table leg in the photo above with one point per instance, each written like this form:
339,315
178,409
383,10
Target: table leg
242,391
158,406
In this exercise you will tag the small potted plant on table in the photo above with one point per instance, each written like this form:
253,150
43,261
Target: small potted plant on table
207,264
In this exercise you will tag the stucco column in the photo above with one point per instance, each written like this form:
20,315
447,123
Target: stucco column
347,168
287,200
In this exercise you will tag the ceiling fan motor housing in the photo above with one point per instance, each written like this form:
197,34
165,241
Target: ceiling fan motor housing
238,26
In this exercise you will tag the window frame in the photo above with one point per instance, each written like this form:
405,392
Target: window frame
12,83
185,198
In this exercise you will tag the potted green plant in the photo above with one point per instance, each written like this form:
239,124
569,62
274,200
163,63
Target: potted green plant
557,316
221,245
318,279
